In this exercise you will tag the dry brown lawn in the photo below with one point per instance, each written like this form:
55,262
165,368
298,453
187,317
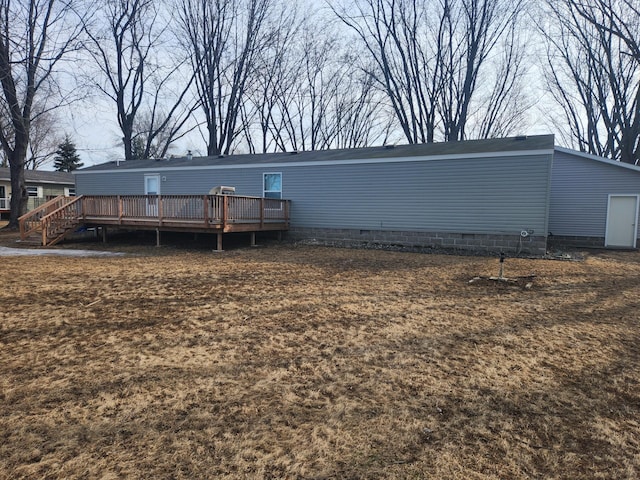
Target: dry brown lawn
309,363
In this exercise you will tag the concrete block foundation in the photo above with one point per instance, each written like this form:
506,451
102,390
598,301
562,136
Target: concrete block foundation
564,241
474,242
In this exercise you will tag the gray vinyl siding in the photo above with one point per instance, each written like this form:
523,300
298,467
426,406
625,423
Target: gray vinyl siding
172,182
112,183
580,190
501,195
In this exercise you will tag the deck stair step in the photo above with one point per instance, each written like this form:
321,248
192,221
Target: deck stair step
52,221
32,241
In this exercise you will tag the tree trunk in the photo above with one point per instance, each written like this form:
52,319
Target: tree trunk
128,144
19,195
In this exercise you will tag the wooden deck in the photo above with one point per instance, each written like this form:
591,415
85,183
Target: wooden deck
186,213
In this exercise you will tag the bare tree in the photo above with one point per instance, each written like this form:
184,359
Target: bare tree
429,57
35,36
43,137
308,110
388,29
359,116
43,141
309,93
224,38
277,71
593,69
502,101
129,42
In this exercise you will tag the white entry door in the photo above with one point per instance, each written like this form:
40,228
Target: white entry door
622,215
152,187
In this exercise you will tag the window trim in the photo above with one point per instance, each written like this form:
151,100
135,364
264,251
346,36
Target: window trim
38,191
158,179
264,191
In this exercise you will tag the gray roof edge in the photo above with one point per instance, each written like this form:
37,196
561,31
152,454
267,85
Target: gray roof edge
40,176
597,158
52,182
516,146
275,164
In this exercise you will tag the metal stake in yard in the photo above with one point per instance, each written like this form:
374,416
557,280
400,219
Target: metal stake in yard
501,276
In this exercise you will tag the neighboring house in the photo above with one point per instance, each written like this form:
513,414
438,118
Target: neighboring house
41,186
492,195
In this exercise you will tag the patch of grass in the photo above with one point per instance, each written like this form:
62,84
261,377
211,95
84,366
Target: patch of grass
307,362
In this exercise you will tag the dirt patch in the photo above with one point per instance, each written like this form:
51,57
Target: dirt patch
311,362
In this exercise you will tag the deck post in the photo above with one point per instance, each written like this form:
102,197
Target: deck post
219,242
225,211
286,212
157,237
205,209
253,239
104,234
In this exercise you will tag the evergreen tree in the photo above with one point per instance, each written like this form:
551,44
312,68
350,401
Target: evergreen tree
67,158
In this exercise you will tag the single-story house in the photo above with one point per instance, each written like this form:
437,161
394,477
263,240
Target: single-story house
41,186
510,194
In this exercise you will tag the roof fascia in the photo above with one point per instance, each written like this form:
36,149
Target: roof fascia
50,182
42,182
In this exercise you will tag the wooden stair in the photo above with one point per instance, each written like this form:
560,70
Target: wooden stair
34,240
52,221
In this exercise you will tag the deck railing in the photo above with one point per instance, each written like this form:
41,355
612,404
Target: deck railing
30,222
208,210
56,224
221,213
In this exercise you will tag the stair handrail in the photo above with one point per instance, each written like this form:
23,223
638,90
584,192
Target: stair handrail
47,220
35,216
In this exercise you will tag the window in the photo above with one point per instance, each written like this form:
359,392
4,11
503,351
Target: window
33,191
152,184
272,185
70,192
